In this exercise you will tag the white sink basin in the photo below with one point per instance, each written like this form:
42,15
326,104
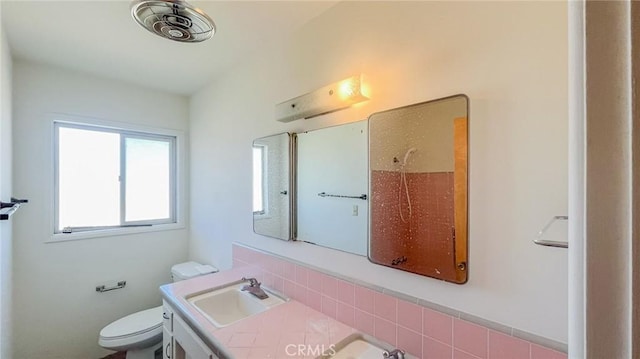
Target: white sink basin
356,346
229,304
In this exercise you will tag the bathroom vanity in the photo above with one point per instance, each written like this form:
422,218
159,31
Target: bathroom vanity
179,340
194,328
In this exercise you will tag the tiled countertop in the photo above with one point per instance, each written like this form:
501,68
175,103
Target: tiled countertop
289,330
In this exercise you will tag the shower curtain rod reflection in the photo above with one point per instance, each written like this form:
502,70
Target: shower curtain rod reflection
324,194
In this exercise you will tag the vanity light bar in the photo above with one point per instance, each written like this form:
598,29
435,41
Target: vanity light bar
336,96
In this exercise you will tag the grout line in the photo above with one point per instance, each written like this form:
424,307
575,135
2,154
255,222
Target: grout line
453,337
396,326
439,341
409,329
422,328
488,344
469,354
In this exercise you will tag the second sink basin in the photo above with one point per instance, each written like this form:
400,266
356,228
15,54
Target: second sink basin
229,304
358,346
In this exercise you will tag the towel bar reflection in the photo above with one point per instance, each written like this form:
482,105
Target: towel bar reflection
102,288
543,242
324,194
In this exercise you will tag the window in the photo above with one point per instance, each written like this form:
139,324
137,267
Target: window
259,179
109,178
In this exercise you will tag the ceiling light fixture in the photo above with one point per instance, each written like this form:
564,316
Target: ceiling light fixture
330,98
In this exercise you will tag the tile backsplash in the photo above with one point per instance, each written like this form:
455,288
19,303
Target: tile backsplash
419,330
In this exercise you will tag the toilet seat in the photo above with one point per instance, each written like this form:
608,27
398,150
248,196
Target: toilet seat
137,330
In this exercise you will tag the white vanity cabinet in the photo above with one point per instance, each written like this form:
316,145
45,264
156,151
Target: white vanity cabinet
167,344
167,331
180,341
187,345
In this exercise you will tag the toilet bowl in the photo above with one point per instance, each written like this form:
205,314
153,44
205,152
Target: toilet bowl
137,333
140,334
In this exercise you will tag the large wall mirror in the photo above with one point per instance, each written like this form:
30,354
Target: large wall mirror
272,192
393,187
332,187
418,158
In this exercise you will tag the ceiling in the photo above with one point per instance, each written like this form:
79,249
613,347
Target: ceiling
101,38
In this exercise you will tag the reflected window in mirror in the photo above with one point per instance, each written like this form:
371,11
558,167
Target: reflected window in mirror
419,193
259,179
272,195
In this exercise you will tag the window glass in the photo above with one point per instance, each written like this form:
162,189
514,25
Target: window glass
258,178
148,185
89,190
112,178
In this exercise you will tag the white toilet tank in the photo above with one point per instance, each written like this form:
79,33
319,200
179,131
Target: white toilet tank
188,270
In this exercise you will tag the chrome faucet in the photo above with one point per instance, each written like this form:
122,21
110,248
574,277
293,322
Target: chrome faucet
254,288
395,354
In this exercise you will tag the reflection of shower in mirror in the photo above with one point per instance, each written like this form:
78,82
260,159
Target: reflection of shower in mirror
403,181
406,155
419,195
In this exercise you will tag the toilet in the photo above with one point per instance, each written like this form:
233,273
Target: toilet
140,334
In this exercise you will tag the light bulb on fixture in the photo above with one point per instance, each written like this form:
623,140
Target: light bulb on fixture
347,89
330,98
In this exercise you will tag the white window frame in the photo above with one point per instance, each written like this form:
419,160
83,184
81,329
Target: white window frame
176,220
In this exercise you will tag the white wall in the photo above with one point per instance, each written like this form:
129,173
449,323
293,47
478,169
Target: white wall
58,313
5,195
510,58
